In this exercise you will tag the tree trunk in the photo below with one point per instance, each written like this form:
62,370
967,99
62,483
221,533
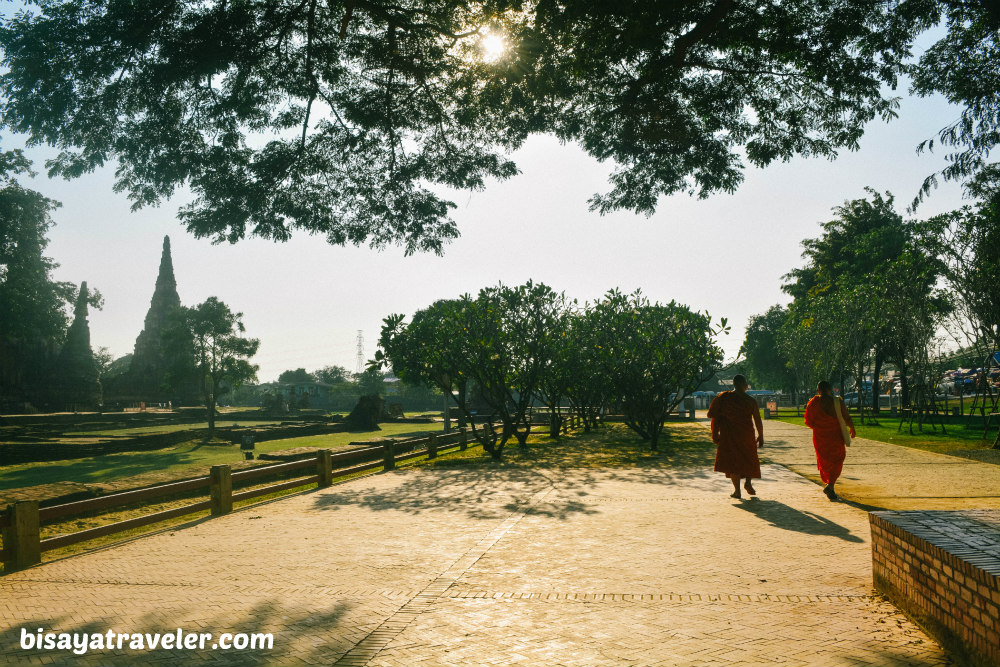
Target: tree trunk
904,385
555,423
210,404
447,413
861,392
522,436
876,388
461,403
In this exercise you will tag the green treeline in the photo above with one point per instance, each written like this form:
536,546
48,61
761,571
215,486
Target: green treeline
878,289
499,351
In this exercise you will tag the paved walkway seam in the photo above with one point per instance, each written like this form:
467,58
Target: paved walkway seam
365,650
660,597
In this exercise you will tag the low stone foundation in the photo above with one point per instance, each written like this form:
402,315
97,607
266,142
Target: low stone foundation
942,569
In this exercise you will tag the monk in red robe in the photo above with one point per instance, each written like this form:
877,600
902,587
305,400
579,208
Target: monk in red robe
828,440
734,415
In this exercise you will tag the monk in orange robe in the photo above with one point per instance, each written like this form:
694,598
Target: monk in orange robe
734,415
828,440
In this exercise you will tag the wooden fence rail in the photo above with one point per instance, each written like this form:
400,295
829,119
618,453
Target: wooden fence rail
21,522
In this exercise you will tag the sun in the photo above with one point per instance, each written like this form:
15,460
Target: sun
493,46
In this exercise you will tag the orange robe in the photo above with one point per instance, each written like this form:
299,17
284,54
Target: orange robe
827,439
733,418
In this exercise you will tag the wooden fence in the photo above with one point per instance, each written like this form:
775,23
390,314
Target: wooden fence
20,523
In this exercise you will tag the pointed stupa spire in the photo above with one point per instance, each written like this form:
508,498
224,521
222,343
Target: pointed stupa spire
80,309
148,366
165,279
76,383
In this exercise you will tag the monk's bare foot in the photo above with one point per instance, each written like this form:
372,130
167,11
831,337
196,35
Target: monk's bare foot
831,494
736,494
749,487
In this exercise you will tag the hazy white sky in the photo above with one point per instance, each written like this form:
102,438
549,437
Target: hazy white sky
305,300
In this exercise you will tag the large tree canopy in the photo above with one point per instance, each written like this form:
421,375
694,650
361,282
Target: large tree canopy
346,117
962,66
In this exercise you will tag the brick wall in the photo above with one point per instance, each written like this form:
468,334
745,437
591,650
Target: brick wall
942,568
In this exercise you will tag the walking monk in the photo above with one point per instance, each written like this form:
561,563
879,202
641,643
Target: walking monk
734,415
831,449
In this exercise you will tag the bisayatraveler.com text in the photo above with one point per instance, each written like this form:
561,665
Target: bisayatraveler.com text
81,642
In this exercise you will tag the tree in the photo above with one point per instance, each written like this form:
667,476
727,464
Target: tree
589,385
498,341
428,351
371,383
767,364
843,296
332,375
345,117
298,376
655,355
554,384
103,359
966,242
962,66
799,343
508,337
33,319
221,352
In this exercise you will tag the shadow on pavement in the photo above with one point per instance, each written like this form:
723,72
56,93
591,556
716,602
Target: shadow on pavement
782,516
300,636
481,494
571,468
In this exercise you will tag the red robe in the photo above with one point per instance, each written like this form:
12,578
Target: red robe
733,418
827,438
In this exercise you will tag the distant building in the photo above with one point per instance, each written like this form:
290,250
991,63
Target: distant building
75,385
153,376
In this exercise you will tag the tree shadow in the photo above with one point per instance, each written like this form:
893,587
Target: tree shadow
484,494
785,517
94,470
889,656
570,468
303,632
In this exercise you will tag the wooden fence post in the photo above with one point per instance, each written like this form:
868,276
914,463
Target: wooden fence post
221,479
389,455
432,446
324,467
22,538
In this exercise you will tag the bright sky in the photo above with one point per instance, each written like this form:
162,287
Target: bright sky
306,300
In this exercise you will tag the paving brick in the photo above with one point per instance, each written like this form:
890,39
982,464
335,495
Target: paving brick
581,567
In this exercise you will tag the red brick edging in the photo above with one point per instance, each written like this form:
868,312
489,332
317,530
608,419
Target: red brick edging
942,569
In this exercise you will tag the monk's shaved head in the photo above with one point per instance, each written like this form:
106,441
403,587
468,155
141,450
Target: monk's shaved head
740,381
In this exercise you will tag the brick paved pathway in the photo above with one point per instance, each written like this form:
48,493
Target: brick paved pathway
891,476
582,567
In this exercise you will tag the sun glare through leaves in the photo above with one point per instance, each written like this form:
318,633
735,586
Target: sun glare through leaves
493,47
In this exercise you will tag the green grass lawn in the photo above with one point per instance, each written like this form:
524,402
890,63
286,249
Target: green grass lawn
190,458
957,437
